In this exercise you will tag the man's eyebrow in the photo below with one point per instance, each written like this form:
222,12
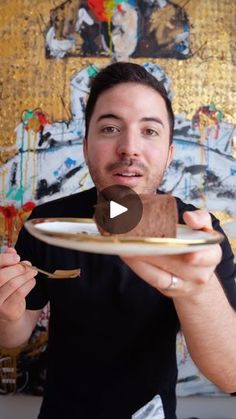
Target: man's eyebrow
108,115
145,119
152,119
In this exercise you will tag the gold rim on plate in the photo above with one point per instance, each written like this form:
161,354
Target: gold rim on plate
31,225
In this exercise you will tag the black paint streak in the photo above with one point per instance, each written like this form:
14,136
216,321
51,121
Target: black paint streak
43,138
13,174
44,189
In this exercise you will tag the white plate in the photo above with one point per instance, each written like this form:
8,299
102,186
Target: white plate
82,234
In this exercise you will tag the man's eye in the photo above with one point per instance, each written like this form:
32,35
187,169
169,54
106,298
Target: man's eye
110,130
151,132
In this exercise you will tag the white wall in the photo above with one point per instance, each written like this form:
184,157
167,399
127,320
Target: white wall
206,407
27,407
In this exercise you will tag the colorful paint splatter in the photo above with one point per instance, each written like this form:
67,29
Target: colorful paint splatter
119,29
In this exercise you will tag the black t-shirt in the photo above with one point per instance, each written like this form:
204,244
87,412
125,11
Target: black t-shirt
112,337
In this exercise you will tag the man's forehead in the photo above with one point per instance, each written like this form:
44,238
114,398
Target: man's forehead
122,92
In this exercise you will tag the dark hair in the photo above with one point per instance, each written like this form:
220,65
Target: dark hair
122,72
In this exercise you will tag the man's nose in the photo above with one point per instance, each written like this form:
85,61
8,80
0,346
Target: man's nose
129,144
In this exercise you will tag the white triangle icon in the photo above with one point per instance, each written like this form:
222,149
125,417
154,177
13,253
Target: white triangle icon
116,209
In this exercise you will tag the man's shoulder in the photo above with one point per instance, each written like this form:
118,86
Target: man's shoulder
75,205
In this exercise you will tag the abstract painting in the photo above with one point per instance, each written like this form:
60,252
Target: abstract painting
119,29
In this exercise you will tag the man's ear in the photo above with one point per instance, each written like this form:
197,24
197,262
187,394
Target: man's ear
85,149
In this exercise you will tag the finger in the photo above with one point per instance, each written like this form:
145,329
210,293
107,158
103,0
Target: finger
10,250
202,258
23,290
153,275
199,273
9,258
198,219
25,262
209,257
9,272
161,280
12,285
15,303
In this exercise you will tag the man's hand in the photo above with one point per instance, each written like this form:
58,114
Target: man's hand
193,270
206,318
16,281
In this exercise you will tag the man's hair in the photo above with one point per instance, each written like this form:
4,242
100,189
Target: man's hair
122,72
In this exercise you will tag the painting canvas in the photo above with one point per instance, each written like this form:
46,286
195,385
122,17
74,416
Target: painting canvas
119,29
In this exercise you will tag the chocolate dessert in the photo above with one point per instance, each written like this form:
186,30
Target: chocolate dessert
159,217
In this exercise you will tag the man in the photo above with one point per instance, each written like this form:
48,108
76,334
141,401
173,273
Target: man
111,350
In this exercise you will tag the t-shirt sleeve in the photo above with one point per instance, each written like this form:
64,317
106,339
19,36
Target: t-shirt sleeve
226,270
29,249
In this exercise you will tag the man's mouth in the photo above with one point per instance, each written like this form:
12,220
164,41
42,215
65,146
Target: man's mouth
127,168
128,174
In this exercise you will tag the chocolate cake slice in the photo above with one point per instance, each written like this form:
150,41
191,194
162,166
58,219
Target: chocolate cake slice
159,217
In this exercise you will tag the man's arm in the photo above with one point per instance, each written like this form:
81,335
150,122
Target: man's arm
209,326
16,281
207,319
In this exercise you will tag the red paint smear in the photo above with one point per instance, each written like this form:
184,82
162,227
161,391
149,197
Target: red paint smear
9,214
28,206
97,6
43,118
14,218
119,8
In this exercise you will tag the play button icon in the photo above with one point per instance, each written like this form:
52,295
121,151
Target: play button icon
118,210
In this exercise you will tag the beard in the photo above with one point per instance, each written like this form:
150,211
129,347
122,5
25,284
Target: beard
149,182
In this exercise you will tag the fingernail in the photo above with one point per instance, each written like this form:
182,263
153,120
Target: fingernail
15,258
27,262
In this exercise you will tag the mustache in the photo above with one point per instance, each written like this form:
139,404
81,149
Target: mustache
127,162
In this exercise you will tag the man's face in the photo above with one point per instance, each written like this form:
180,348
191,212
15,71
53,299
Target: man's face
128,138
